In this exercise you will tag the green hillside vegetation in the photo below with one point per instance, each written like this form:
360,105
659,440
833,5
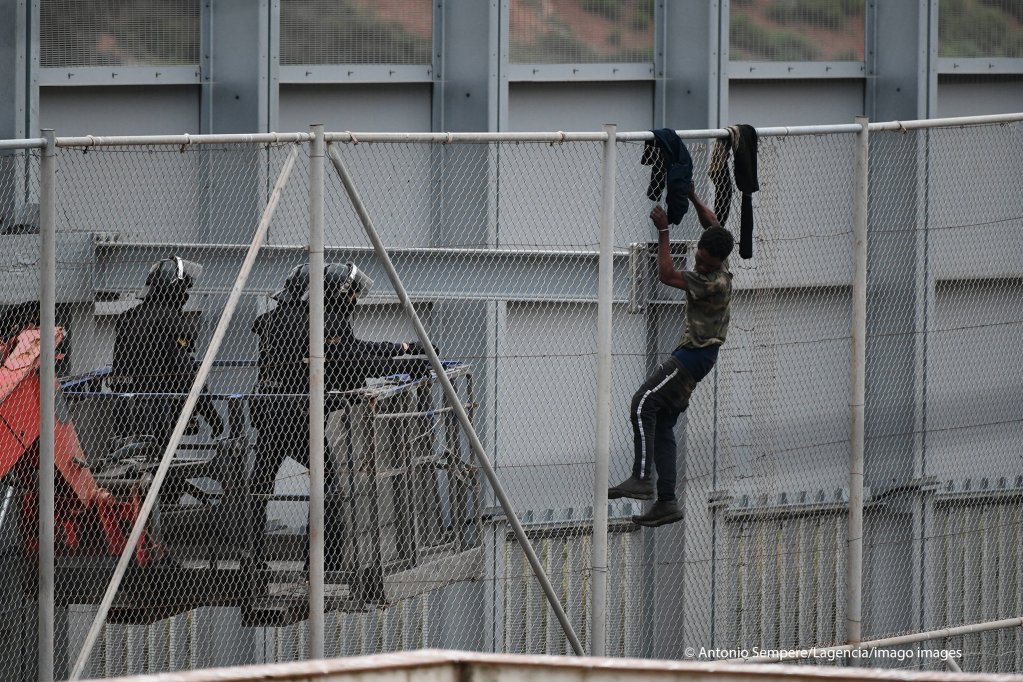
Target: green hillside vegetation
793,30
339,32
625,35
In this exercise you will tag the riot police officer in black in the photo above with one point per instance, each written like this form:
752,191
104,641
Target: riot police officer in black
279,408
153,355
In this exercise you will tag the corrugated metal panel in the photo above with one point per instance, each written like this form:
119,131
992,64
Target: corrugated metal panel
976,560
787,582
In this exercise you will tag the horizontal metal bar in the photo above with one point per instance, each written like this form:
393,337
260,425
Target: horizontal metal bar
980,66
356,73
29,143
429,273
120,75
820,652
538,137
946,122
182,140
427,250
466,138
778,131
581,72
790,70
421,413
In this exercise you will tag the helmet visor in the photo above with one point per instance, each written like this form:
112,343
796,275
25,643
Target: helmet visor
361,283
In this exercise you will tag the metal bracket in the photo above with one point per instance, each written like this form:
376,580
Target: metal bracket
719,499
643,270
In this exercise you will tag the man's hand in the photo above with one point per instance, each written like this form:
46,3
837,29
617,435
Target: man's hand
660,218
416,348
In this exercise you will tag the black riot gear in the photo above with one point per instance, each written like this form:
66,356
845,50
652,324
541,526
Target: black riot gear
153,354
279,407
170,279
338,280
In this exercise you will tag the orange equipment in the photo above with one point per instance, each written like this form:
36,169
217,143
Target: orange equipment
88,519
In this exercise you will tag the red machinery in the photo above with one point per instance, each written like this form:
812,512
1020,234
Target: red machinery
392,442
88,519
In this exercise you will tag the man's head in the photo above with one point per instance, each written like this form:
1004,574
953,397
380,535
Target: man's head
713,248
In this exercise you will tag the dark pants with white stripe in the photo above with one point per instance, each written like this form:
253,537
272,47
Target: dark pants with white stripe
655,410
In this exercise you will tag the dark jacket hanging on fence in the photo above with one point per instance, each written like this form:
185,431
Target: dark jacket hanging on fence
672,168
742,141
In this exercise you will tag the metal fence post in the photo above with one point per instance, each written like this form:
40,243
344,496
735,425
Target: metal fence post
605,281
316,397
47,388
857,399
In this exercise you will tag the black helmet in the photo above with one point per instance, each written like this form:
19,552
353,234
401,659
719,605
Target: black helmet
296,285
170,277
338,279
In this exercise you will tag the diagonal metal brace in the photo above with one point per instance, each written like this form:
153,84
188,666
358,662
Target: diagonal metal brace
456,403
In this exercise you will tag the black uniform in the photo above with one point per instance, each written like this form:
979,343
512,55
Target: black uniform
153,354
280,405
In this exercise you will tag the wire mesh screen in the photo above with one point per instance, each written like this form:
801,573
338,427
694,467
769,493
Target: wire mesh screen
19,223
118,32
501,260
159,245
980,28
356,32
580,31
796,30
758,557
497,246
944,536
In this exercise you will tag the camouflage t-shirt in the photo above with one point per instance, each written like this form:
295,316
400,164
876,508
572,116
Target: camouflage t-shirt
708,297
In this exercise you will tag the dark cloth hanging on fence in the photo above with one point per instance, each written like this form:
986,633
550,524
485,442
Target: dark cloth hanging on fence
742,142
672,170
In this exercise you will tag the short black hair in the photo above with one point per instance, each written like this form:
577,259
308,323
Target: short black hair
717,241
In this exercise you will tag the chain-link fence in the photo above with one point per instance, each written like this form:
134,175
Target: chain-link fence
189,383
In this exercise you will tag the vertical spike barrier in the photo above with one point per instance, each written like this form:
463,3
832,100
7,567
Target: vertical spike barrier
317,550
186,413
47,416
456,403
605,276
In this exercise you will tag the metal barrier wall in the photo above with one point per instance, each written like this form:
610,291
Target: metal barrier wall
507,284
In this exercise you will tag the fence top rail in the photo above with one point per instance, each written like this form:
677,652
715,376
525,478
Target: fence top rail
183,140
559,137
466,138
556,137
776,131
946,122
30,143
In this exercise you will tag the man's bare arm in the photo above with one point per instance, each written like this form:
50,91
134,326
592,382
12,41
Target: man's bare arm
665,268
705,215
